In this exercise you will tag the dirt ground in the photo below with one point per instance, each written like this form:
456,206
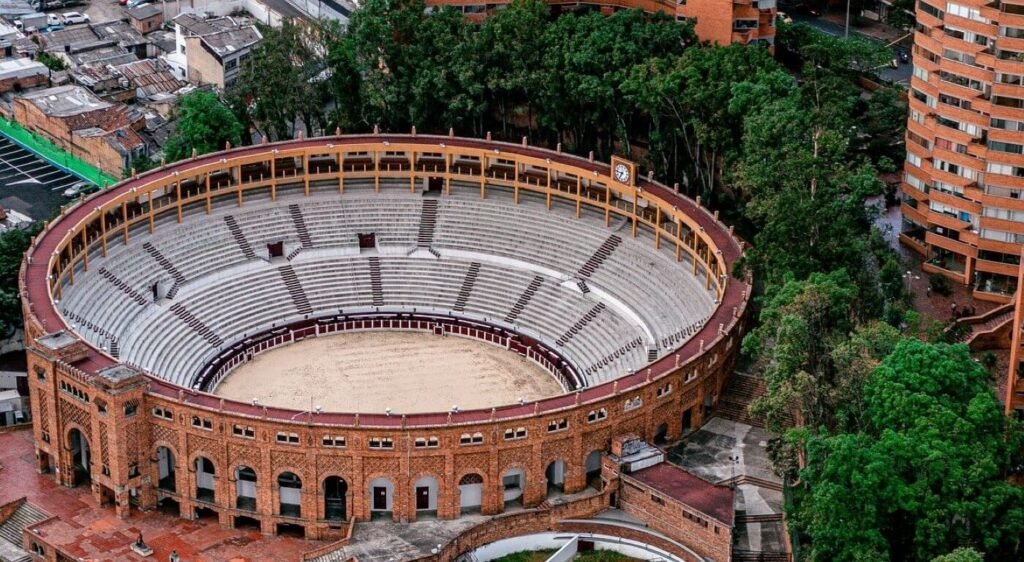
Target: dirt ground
408,372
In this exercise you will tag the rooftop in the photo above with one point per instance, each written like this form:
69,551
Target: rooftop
145,11
120,31
195,24
676,483
105,55
151,76
20,68
231,40
64,101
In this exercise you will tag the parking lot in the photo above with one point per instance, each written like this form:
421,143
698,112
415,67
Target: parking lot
29,184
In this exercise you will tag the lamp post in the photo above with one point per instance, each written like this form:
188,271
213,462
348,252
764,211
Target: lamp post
909,275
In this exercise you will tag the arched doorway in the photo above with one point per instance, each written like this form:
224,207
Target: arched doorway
335,492
661,434
687,422
204,480
81,457
382,493
555,474
425,495
289,491
513,482
166,473
245,488
471,493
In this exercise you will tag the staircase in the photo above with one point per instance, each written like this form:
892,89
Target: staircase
239,237
300,226
428,223
583,286
196,324
602,253
375,283
116,281
652,355
167,266
983,324
25,516
524,299
467,287
580,324
291,282
740,390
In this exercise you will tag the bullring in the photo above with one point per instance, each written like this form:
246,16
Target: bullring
139,300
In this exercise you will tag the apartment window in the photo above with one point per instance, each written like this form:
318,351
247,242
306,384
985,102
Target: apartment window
744,25
913,181
633,404
1004,101
951,146
1001,236
914,159
929,9
558,425
1014,32
45,435
1008,147
657,500
1012,79
918,139
161,412
947,188
965,12
334,441
202,423
954,101
426,442
231,64
471,439
1004,214
514,434
1003,54
244,431
921,73
130,409
958,56
381,443
962,81
596,415
1005,169
1003,192
1007,124
288,438
40,374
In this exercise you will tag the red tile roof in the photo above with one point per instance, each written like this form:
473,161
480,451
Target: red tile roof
710,499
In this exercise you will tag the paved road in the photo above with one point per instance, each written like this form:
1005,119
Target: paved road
900,74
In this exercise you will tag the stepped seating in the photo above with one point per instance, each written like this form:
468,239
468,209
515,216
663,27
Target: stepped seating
12,528
533,270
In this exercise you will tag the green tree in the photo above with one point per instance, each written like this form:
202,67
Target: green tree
204,124
13,245
961,555
925,474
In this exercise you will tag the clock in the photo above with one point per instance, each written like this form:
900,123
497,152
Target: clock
622,173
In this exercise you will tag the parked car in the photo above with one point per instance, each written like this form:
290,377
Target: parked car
80,188
135,3
902,55
71,18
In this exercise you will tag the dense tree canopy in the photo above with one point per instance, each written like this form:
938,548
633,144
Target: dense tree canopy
13,245
925,472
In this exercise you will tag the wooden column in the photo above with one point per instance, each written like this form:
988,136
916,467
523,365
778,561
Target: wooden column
124,219
103,230
376,171
547,194
341,171
209,200
607,205
412,171
177,192
305,173
515,183
657,227
483,176
238,183
679,239
636,202
85,250
579,195
273,177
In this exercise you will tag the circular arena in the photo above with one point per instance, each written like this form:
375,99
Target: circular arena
299,334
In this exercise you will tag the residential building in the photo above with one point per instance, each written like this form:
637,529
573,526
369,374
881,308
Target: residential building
963,182
210,51
18,74
78,39
98,131
717,21
146,18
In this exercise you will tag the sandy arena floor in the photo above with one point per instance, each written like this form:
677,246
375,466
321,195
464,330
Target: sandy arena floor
408,372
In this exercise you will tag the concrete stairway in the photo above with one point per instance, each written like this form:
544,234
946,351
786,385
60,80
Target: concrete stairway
23,517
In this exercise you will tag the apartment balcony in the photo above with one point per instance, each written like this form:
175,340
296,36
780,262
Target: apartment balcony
743,37
954,246
914,214
999,267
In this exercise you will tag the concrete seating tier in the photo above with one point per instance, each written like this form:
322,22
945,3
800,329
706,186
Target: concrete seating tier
520,266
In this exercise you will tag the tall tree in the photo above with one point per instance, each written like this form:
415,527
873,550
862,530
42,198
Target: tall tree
204,124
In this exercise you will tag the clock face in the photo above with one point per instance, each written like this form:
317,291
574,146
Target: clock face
622,173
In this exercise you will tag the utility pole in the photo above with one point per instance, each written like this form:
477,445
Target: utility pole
846,33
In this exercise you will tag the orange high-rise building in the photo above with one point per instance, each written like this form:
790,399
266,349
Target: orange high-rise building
964,176
717,21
